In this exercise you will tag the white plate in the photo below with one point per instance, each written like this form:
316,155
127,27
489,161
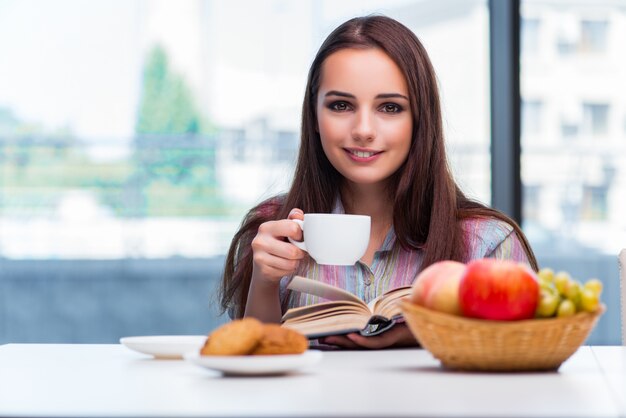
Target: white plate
165,346
256,365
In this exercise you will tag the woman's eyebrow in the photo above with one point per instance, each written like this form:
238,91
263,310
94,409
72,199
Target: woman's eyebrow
380,96
339,93
392,96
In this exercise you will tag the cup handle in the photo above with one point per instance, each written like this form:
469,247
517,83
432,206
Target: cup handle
299,244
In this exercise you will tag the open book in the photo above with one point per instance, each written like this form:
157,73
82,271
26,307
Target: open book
343,313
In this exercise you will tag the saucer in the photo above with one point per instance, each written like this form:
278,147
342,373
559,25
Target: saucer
165,346
255,365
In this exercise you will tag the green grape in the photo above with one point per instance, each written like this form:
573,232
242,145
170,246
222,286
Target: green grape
561,279
544,284
548,288
594,285
566,308
589,300
546,274
548,303
572,292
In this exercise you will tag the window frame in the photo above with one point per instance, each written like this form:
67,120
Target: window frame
504,49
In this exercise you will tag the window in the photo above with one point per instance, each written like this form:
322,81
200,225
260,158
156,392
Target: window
568,31
132,146
595,119
577,224
530,36
594,203
569,130
593,35
531,198
237,140
531,117
581,36
286,146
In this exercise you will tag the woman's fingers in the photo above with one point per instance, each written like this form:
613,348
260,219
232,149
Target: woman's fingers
373,343
340,341
271,265
280,229
296,214
398,336
282,264
273,256
276,247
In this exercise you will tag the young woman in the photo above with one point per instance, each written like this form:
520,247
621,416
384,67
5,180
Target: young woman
371,143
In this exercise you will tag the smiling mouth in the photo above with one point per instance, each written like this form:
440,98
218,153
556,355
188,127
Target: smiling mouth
363,154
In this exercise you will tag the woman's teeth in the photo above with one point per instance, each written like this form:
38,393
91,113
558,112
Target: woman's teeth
362,154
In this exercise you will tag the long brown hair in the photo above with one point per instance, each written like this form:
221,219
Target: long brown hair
427,203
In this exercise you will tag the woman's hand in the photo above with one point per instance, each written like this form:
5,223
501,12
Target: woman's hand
398,336
273,257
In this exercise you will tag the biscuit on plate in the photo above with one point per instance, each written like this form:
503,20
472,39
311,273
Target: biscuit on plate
239,337
279,340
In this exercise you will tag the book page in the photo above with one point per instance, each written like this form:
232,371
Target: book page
343,312
332,325
326,291
322,309
386,305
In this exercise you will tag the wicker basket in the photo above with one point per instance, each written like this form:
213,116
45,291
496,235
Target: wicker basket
481,345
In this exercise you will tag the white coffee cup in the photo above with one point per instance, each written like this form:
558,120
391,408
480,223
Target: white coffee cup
334,239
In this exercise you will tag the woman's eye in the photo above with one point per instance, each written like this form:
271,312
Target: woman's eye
391,108
339,106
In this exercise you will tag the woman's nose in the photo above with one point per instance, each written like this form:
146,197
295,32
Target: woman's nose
364,128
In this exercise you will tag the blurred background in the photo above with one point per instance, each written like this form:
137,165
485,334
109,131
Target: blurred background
135,134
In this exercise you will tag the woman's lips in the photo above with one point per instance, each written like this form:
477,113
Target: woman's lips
362,156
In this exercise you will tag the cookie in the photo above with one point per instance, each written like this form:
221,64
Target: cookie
239,337
279,340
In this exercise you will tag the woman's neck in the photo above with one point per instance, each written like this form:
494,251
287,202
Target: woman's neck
371,200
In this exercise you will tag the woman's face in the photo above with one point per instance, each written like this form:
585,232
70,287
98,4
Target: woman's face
363,114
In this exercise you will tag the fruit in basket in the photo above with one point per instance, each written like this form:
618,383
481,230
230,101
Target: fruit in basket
546,275
566,308
589,300
498,289
594,285
561,280
548,303
572,292
573,296
437,287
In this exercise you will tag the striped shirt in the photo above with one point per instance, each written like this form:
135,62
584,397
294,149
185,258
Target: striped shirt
394,266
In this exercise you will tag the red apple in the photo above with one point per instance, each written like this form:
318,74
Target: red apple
498,289
437,287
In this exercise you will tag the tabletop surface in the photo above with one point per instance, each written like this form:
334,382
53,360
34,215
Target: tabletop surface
111,380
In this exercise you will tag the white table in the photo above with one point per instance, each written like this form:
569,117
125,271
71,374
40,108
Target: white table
612,361
110,380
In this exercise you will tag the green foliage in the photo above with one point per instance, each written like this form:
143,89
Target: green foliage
8,121
171,171
174,150
166,106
